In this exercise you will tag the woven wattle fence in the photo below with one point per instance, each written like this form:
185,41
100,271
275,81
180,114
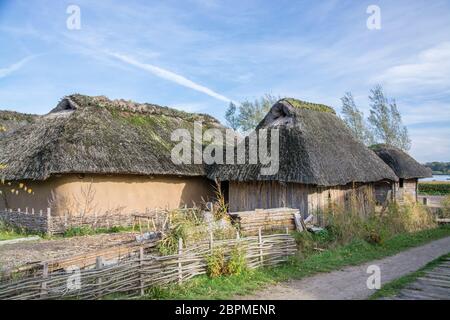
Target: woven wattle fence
132,276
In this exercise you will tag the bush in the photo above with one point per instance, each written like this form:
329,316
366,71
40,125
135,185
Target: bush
434,188
237,263
215,264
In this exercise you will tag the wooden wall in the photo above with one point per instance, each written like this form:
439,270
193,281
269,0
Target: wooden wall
409,190
245,196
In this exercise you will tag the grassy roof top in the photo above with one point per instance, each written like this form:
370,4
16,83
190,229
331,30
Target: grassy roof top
404,166
96,135
299,104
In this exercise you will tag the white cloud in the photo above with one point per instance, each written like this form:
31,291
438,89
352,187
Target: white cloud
14,67
429,72
428,112
169,75
430,144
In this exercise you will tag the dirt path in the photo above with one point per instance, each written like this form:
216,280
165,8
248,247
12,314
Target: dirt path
350,282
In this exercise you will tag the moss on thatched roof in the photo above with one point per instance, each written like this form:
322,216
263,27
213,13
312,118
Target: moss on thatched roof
11,120
400,162
299,104
316,148
96,135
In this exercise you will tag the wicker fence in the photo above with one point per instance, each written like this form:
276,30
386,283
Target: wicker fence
44,222
134,275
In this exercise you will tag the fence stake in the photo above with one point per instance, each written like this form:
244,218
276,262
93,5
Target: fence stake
99,266
49,221
260,242
141,265
44,291
180,252
211,241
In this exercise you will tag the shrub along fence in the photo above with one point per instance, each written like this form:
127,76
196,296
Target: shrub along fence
132,276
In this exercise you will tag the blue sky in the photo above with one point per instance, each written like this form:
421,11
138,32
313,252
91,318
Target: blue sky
196,55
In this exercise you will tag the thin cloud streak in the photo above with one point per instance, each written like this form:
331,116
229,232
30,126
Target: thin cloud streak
169,75
14,67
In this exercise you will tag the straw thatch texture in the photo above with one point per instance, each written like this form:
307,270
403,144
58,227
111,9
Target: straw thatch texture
316,148
97,135
404,166
11,120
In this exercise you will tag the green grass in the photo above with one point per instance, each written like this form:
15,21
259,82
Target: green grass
88,231
394,287
354,253
9,233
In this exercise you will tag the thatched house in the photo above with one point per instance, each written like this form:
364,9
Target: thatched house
321,163
405,167
95,155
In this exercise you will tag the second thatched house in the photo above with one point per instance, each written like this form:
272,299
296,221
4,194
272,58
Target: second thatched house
95,155
320,163
406,168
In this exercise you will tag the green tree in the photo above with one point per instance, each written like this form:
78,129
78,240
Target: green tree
231,117
250,113
354,118
386,121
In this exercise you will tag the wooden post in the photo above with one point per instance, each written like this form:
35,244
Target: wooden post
287,230
180,252
44,290
65,220
260,242
99,266
211,242
141,265
49,221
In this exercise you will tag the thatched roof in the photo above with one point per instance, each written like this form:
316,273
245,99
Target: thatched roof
11,120
401,163
316,148
96,135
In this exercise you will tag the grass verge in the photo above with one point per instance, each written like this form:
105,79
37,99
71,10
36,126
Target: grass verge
394,287
354,253
9,233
